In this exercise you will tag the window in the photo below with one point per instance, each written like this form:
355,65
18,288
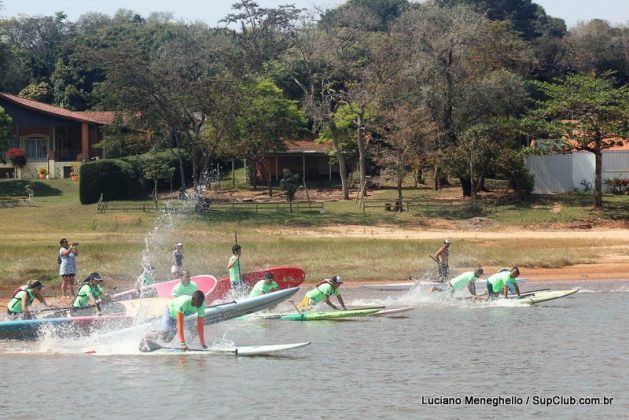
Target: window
36,148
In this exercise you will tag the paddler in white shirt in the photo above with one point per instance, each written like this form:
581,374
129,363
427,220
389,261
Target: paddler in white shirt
322,292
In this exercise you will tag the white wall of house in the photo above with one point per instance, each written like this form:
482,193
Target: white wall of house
583,169
567,172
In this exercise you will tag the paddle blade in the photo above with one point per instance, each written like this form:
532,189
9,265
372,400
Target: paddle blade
147,346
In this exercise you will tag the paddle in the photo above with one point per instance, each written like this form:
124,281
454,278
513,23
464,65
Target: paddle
292,302
433,258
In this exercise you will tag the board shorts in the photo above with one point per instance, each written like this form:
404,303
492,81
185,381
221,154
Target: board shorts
169,326
305,303
176,269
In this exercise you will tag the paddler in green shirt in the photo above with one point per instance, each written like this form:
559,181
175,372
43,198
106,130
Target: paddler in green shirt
322,292
501,281
173,321
23,298
185,287
90,290
233,265
264,286
466,279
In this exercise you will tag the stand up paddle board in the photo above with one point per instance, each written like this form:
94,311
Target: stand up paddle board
320,316
540,297
395,311
232,351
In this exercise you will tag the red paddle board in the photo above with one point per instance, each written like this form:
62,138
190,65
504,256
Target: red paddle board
285,277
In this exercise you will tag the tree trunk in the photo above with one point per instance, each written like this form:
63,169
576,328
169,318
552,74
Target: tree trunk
472,186
598,178
466,186
342,163
399,189
182,188
267,165
362,165
435,181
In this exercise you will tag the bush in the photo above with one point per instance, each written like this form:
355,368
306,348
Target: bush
116,179
618,185
510,166
17,157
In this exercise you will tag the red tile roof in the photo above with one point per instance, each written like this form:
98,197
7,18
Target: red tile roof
307,146
90,116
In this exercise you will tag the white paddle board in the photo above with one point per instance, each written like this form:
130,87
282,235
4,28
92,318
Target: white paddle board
233,350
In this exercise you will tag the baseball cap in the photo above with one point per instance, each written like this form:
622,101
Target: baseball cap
178,244
447,241
96,276
34,284
337,279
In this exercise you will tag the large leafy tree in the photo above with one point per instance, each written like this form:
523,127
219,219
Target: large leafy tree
5,129
588,112
266,119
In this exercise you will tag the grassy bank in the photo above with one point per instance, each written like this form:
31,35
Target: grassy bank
113,243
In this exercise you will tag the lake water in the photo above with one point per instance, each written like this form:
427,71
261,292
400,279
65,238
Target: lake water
572,348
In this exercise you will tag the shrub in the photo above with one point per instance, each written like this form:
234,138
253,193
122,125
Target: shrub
618,185
116,179
510,166
17,157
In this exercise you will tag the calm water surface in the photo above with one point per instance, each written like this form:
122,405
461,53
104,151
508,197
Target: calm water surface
365,368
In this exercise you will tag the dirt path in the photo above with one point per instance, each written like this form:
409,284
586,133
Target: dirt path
616,267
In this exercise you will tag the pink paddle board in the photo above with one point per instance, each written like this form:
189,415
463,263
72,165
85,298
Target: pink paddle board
206,283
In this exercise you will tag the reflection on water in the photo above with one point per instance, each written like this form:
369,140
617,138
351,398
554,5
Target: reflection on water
368,367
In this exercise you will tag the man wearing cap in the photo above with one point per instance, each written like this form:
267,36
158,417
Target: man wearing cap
466,279
322,292
173,321
264,286
90,290
177,267
442,260
23,298
185,287
502,281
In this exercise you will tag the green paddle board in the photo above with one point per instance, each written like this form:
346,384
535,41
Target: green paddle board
320,316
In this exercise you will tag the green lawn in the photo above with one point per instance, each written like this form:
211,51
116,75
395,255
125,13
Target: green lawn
113,243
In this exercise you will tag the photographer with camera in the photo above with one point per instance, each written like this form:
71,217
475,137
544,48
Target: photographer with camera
67,266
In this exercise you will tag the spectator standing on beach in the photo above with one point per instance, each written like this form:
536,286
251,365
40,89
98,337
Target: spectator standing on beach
177,268
67,266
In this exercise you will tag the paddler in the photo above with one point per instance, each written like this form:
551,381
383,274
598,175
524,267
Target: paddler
23,298
91,290
502,281
147,278
264,286
441,257
466,279
322,292
173,321
185,287
233,265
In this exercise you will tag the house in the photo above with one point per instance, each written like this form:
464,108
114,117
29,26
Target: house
311,160
52,137
566,172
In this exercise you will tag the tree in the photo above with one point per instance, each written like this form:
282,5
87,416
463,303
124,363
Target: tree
290,184
405,132
266,119
5,129
588,112
37,92
154,168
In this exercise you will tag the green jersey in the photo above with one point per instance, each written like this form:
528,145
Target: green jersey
15,306
463,280
499,280
85,292
234,271
181,290
183,304
261,288
319,293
